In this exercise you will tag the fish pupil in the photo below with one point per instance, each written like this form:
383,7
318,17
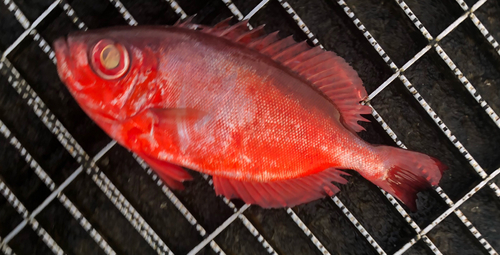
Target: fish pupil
110,57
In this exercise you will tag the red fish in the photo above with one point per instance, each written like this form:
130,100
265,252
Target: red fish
272,120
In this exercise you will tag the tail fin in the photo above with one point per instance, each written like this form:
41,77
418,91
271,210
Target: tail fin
409,173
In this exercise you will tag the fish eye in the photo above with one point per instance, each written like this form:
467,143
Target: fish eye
109,60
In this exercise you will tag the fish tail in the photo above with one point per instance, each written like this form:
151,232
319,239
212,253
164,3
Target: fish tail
408,173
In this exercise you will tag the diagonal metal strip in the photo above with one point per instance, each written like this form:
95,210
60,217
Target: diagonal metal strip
52,186
414,92
74,148
441,193
358,23
449,62
217,231
6,249
55,193
242,217
447,213
234,10
480,26
390,198
178,204
30,29
28,219
177,9
245,221
70,144
255,9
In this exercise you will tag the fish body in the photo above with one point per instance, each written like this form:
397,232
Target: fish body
273,121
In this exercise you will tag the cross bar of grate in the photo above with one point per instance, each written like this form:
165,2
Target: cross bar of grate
30,29
450,210
28,219
6,249
360,26
125,13
440,192
244,220
177,203
98,177
52,186
389,197
414,92
449,62
72,146
54,194
290,212
459,74
256,9
218,230
480,26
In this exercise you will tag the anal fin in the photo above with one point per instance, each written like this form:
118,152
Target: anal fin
284,193
172,174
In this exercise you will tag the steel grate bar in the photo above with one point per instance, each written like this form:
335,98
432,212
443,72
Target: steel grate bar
101,180
28,218
177,203
481,27
217,231
389,197
415,93
360,228
72,15
177,8
256,9
216,248
360,26
52,186
245,221
441,193
294,216
70,144
30,29
450,63
307,232
6,249
396,204
53,195
450,210
234,10
459,74
300,23
124,12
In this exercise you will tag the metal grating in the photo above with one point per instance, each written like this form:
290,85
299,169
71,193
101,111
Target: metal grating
154,238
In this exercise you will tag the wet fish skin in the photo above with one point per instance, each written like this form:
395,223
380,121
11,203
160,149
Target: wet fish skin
268,128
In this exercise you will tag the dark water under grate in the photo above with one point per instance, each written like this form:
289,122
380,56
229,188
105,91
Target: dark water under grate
395,33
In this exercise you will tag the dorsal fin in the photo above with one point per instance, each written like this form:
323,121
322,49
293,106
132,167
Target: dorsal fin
324,70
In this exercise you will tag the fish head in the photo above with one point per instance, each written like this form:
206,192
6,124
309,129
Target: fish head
103,69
